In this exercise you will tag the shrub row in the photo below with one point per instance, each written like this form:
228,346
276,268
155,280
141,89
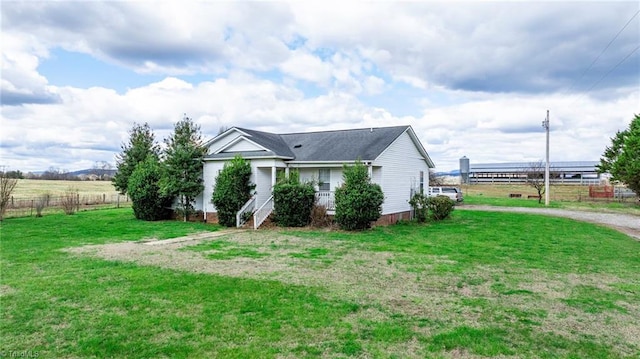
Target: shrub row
440,207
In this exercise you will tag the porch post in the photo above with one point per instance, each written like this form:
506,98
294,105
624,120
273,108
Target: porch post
286,172
273,176
370,170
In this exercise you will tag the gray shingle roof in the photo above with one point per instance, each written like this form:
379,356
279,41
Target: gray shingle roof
269,140
326,146
346,145
510,167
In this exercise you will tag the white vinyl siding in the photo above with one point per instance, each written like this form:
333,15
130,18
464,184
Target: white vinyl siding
243,145
376,176
223,141
261,177
307,174
401,164
262,180
209,174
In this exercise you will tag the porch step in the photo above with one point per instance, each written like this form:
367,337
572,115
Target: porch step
267,223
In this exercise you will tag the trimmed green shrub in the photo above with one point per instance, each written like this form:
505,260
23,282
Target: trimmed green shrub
144,190
419,203
440,207
358,201
232,190
293,202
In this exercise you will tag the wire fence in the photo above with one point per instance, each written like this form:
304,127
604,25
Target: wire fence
74,202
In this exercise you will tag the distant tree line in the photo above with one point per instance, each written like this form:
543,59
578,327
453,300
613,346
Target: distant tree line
101,171
54,173
51,174
12,174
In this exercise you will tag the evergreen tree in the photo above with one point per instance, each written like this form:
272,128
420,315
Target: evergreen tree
140,146
144,189
232,190
622,159
183,161
358,201
293,201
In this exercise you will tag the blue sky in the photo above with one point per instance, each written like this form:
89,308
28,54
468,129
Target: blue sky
473,79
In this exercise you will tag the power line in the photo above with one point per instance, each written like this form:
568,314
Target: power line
608,72
603,51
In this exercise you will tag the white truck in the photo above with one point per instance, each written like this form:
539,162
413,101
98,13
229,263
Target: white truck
452,192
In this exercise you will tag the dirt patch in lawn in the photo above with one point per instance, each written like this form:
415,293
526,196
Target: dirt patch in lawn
386,287
6,290
349,273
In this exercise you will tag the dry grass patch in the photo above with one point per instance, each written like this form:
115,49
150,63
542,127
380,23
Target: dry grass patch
387,285
31,188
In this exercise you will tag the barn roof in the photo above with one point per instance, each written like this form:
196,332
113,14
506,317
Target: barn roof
510,167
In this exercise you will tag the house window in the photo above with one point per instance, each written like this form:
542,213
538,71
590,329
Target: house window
421,182
324,179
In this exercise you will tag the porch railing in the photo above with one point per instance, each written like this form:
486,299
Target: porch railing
326,199
261,214
241,216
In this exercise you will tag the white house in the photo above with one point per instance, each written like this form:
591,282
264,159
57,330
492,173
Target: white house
396,159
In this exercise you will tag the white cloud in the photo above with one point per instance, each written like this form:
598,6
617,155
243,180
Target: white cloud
92,123
305,66
373,85
482,75
21,81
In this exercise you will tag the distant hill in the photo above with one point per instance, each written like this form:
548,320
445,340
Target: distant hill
89,171
450,173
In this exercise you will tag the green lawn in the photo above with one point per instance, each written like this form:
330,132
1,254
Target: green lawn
481,284
628,207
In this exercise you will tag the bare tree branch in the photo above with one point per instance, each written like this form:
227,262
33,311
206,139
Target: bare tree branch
7,186
535,177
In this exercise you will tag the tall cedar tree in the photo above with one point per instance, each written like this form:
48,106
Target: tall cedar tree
140,146
233,188
622,159
183,160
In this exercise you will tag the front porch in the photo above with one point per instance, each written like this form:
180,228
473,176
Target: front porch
327,200
258,213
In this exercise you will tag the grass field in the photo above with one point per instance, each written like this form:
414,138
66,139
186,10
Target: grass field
90,195
561,196
30,188
478,285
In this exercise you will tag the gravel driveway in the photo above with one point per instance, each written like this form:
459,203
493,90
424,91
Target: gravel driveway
625,223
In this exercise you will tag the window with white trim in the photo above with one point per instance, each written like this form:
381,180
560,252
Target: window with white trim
324,179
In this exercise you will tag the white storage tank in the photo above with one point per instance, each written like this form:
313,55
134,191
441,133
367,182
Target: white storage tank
464,169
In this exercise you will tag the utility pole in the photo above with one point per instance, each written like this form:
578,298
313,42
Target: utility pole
545,124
